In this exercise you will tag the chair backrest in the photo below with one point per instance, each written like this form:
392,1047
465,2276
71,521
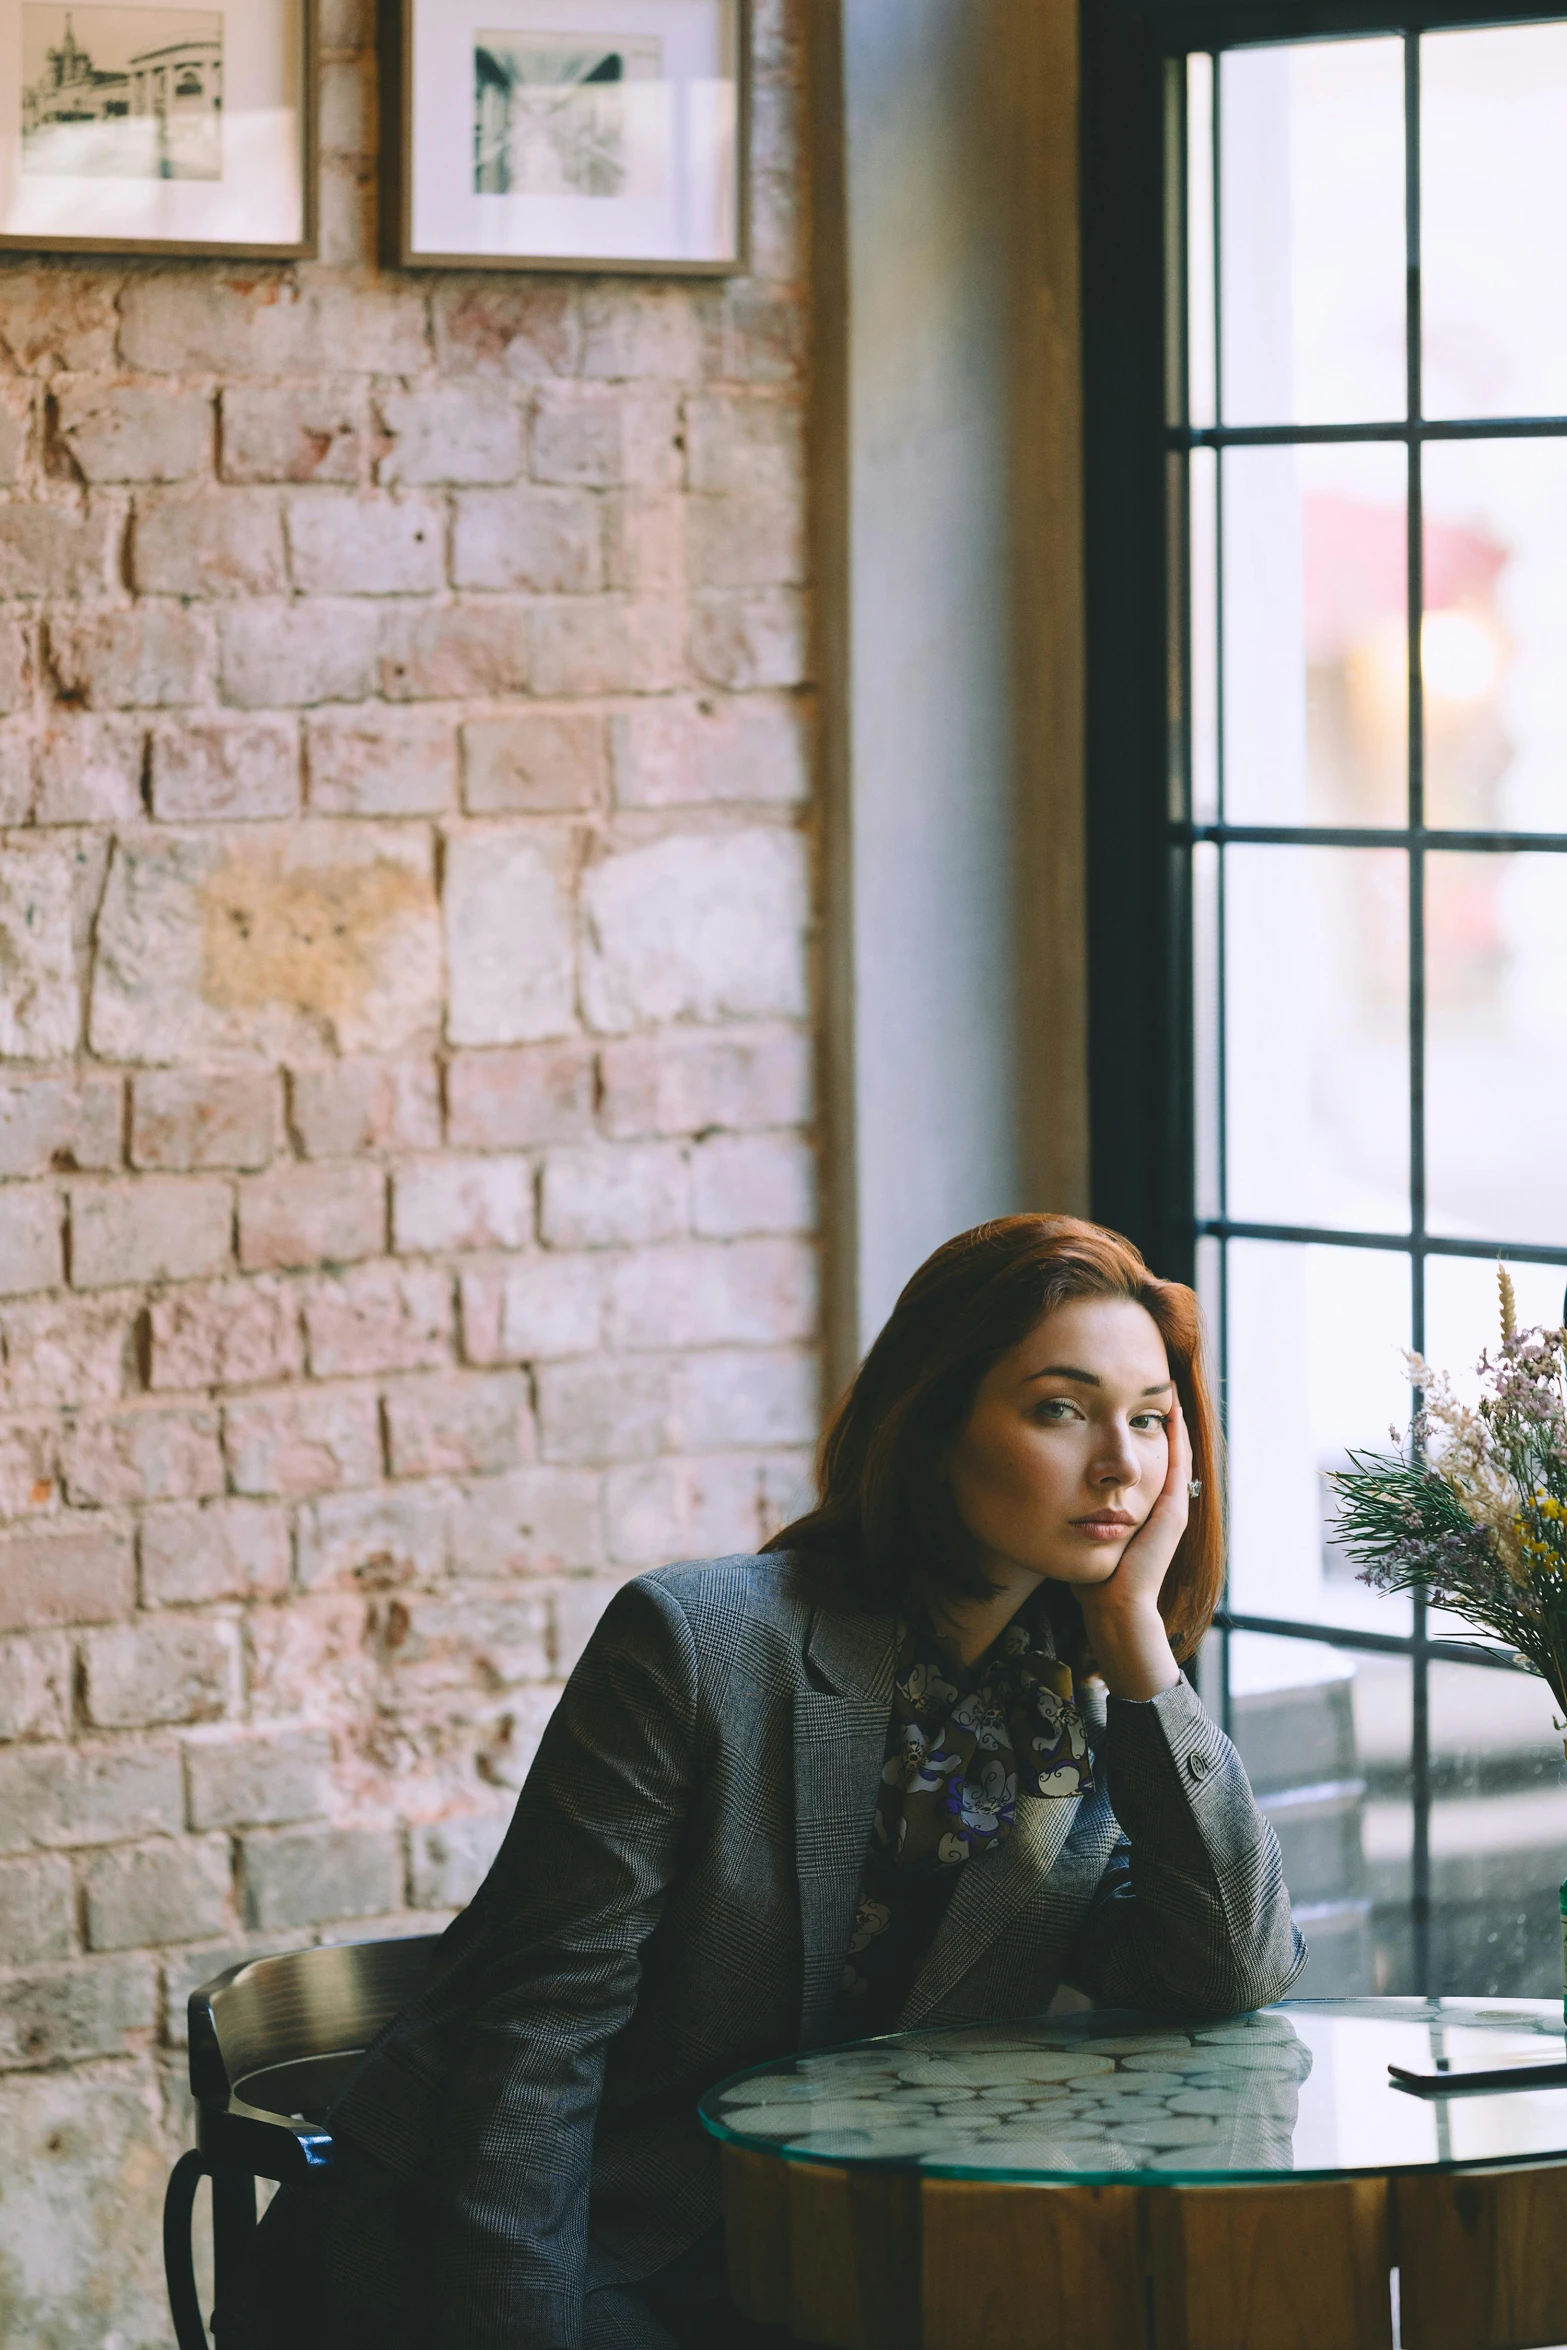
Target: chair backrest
282,2033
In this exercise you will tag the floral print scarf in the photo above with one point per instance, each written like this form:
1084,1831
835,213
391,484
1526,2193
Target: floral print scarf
963,1743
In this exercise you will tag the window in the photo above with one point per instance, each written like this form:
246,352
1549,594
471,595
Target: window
1330,981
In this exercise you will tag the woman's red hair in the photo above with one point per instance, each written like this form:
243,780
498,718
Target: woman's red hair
884,1521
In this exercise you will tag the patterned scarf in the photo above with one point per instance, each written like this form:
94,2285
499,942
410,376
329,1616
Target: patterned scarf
963,1743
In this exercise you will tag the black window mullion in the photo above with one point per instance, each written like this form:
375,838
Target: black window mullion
1221,1045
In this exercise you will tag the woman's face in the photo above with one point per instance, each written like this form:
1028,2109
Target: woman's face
1064,1453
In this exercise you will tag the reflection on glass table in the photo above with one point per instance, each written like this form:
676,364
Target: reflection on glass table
1302,2088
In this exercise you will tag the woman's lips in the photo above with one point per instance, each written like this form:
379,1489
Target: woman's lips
1108,1526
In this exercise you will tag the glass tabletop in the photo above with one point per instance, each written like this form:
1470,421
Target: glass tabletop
1301,2088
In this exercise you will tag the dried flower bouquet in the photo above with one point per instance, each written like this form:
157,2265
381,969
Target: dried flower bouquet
1473,1512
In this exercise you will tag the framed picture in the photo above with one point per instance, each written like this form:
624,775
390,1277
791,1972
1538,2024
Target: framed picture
565,134
128,127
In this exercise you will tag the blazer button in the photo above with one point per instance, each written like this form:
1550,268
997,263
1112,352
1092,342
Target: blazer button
1199,1765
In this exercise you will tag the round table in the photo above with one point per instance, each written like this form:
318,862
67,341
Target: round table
1136,2184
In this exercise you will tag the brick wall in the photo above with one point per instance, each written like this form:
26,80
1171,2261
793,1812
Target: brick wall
406,1182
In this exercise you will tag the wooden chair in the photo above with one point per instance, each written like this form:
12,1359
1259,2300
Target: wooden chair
271,2045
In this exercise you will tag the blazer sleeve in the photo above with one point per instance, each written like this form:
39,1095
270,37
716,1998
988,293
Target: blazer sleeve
549,1975
1191,1915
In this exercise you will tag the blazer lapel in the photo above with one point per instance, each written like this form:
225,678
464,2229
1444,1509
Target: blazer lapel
840,1743
988,1896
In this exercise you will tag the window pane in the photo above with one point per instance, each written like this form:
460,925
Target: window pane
1496,1046
1462,1315
1312,212
1316,694
1498,1833
1294,1709
1316,1366
1205,1022
1494,193
1199,239
1496,615
1316,997
1203,477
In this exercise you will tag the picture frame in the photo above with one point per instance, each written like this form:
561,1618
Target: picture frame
134,126
582,135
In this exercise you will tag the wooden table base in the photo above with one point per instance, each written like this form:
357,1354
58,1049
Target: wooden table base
886,2260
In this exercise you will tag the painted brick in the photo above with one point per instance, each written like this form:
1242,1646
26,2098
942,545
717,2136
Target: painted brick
160,1892
708,926
608,645
511,1100
265,1782
154,656
75,2012
592,436
61,1797
116,1460
31,1244
744,1183
313,1876
686,1082
738,442
767,1399
347,108
29,1467
54,551
534,1310
646,536
15,667
519,328
381,764
453,1203
543,541
533,762
753,539
40,1005
533,1522
66,1350
748,638
282,434
210,769
602,1410
37,1910
375,1541
686,749
17,790
233,1334
292,656
451,433
221,545
282,942
643,330
483,1640
598,1198
179,321
513,1737
79,1573
765,335
754,1293
158,1228
461,1425
134,432
299,1216
62,1123
303,1440
89,771
35,1687
228,1550
366,546
365,1105
508,938
702,1508
575,1608
157,1671
380,1318
16,417
449,1859
186,1119
452,652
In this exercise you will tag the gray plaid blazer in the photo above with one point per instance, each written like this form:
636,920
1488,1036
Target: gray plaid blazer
674,1901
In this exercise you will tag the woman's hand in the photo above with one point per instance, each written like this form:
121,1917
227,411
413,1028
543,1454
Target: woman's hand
1121,1615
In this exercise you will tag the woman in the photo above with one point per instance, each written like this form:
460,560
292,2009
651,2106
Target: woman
926,1759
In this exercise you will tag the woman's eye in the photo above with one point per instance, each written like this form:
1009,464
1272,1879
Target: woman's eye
1145,1421
1057,1407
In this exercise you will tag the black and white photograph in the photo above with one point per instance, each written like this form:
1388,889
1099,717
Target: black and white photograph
556,117
559,134
132,128
122,93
